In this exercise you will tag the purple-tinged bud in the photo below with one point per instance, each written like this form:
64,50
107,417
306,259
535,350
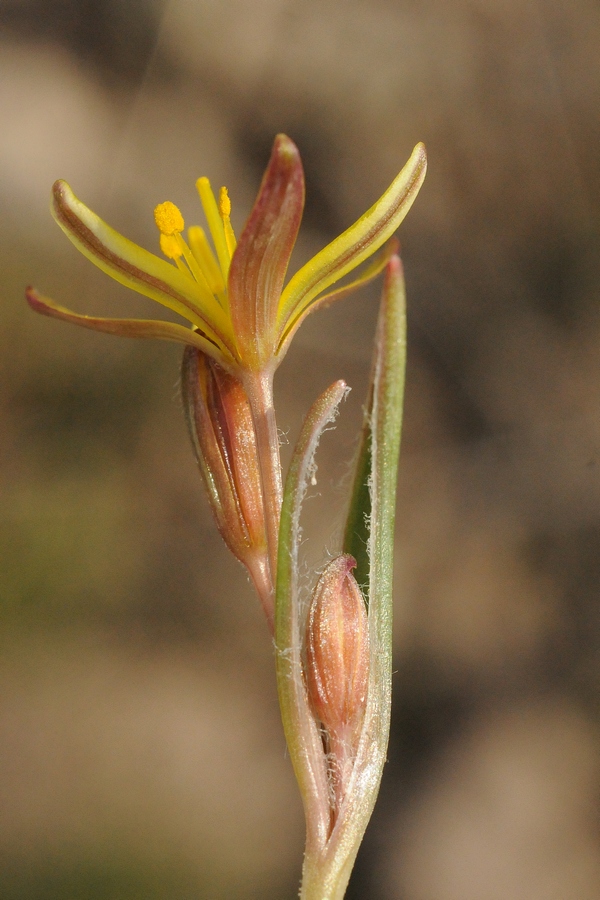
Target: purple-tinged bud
337,652
222,431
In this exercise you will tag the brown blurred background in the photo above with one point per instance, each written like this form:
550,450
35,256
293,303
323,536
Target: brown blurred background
141,755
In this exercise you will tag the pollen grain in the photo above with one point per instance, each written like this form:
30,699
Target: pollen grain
168,218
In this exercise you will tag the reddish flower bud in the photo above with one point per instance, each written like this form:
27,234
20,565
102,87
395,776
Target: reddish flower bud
337,650
222,431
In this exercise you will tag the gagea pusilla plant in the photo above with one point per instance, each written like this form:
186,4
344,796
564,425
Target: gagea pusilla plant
333,655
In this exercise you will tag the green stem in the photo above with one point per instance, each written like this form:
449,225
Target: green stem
302,734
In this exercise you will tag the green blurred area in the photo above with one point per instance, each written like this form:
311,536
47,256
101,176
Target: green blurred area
95,881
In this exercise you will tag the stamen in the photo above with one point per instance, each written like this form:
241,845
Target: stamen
170,246
192,262
225,210
224,203
215,224
206,258
168,218
182,267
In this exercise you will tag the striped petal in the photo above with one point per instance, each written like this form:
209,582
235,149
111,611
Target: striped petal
134,328
356,244
375,267
136,268
263,253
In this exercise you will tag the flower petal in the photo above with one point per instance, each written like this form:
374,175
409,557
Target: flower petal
262,255
356,243
135,267
375,267
134,328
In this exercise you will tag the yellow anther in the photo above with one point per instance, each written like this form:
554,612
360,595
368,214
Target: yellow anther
170,246
224,203
169,220
225,210
215,224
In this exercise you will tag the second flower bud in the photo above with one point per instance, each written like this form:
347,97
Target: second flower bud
337,666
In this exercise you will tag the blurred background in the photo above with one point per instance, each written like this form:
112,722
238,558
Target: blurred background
141,755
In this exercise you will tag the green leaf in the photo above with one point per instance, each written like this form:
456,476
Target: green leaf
370,539
302,735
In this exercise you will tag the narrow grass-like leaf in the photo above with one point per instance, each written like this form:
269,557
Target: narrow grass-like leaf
303,738
371,524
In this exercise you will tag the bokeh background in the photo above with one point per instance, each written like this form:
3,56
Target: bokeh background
141,755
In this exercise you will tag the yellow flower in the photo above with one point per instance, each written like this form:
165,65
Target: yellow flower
233,295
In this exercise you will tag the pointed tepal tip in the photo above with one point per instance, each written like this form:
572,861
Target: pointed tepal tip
36,301
59,189
31,296
60,200
420,157
394,266
285,148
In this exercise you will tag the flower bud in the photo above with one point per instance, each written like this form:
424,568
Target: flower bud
222,432
337,651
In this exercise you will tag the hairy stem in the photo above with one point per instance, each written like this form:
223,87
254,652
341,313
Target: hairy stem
301,731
